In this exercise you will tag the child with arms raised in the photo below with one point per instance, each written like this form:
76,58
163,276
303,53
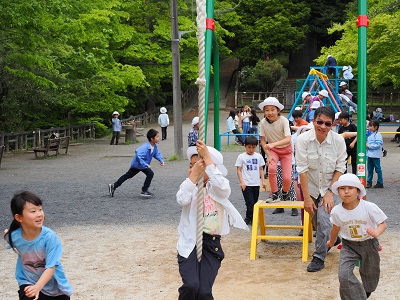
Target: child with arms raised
198,277
39,272
359,223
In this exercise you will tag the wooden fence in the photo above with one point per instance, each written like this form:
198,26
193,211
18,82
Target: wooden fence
17,141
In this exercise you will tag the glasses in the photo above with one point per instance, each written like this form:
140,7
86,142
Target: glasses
327,124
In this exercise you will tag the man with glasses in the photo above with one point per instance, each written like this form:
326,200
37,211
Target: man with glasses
320,160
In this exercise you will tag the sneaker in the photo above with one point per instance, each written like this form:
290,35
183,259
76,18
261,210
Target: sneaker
384,152
248,221
273,198
316,265
111,189
368,294
301,232
378,186
146,194
369,185
278,211
285,196
295,212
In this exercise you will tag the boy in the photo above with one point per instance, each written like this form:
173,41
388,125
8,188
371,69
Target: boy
249,171
297,117
198,277
351,143
359,223
193,135
141,163
117,127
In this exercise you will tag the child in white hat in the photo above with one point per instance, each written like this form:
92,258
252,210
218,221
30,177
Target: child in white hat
193,135
198,277
359,223
116,127
163,121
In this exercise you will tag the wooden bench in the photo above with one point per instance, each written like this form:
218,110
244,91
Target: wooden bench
64,143
51,145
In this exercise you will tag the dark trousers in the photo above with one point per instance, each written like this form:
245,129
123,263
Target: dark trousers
353,156
42,296
198,277
115,137
163,133
132,172
239,137
250,195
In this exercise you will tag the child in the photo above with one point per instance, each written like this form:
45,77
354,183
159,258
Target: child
298,118
351,143
141,163
198,277
193,135
311,113
39,271
275,129
117,127
249,171
163,121
231,126
359,223
254,120
374,152
244,116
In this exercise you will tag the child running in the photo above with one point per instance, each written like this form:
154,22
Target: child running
39,271
275,130
198,277
249,171
141,163
359,223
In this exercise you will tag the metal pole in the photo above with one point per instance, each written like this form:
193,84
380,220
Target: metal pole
176,81
217,141
362,23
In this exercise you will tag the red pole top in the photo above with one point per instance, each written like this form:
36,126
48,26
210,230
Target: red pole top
362,20
210,24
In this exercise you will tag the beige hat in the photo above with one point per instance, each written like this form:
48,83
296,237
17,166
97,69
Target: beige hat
216,156
271,101
163,110
349,180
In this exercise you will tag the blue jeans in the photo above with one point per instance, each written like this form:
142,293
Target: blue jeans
374,163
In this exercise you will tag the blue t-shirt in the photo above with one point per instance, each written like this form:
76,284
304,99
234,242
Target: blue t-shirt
35,256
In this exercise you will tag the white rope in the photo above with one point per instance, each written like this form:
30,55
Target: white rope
201,81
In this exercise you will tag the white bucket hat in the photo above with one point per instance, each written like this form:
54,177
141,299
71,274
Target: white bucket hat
297,108
349,180
304,95
315,104
342,83
271,101
216,156
345,68
337,115
115,113
324,93
163,110
195,121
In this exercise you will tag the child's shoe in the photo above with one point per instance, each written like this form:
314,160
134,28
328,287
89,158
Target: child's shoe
295,212
273,198
285,196
369,185
378,186
278,211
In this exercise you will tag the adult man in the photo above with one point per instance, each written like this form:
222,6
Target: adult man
331,66
320,159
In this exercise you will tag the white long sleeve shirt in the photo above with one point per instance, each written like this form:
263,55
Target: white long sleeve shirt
219,190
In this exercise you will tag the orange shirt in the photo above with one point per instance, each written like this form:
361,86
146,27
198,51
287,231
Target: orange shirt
301,123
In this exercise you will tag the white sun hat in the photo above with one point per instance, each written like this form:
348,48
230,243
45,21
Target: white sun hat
271,101
324,93
342,83
315,104
163,110
304,95
115,113
216,156
345,68
195,121
349,180
337,115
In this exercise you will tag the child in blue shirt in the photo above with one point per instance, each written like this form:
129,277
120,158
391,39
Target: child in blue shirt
117,127
39,271
374,152
141,163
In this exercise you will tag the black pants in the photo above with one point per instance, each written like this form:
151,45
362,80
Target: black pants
353,156
250,195
116,137
42,296
239,137
163,133
132,172
198,277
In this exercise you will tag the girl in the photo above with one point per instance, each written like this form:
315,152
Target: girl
374,152
245,120
39,272
198,277
231,126
254,120
276,130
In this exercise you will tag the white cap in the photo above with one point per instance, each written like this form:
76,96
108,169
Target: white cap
349,180
163,110
116,113
195,121
316,104
323,93
271,101
345,68
216,156
342,83
337,115
304,95
297,108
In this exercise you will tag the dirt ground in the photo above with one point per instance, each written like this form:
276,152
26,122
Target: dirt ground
124,248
